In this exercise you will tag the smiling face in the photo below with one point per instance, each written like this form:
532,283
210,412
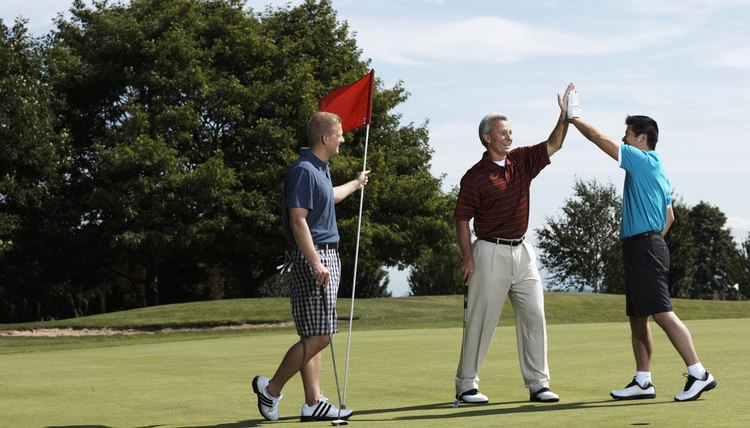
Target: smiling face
499,139
333,139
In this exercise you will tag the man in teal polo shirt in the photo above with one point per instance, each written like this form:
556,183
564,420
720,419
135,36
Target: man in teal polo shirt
646,217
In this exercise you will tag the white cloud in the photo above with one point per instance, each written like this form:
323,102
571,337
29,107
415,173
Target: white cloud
682,7
735,58
493,40
740,227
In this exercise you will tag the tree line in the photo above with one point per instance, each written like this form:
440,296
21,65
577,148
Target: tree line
581,248
144,144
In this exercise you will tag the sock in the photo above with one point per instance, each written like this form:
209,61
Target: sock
697,371
643,378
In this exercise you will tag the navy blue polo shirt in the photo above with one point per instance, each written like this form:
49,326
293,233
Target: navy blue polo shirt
308,185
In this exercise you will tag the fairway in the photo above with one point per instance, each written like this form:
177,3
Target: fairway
398,378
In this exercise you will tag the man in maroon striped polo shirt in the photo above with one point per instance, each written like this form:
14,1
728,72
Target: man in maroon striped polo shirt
500,262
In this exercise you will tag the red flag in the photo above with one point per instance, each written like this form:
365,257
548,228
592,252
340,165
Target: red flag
352,102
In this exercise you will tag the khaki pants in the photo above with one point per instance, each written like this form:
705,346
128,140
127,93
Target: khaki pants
500,271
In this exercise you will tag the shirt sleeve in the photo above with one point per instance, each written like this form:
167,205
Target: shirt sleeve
299,189
467,201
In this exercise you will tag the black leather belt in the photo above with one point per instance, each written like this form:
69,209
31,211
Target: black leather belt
501,241
333,246
642,235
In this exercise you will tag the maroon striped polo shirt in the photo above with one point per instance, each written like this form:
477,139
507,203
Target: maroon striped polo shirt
497,198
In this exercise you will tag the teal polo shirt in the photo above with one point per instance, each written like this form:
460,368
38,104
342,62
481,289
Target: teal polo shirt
646,193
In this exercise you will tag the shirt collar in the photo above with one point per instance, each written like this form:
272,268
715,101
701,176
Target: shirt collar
307,153
489,163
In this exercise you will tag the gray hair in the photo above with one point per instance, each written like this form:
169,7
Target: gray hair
486,124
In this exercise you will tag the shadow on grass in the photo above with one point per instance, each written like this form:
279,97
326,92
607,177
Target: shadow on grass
238,424
467,410
464,411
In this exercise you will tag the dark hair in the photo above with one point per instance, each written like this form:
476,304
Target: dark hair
644,125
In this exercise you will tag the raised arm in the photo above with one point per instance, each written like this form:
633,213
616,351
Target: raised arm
602,141
592,134
556,138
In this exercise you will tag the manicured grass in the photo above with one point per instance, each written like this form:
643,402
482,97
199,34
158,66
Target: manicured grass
398,378
369,314
403,312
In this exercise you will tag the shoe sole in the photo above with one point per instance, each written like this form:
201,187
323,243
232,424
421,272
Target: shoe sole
708,387
475,402
632,397
316,419
539,400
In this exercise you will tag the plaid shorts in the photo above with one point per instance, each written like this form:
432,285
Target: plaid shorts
307,297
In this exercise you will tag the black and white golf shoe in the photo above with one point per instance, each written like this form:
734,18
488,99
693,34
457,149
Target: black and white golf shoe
544,395
323,411
473,396
268,406
694,387
634,391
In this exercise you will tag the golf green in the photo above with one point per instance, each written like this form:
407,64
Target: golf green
397,378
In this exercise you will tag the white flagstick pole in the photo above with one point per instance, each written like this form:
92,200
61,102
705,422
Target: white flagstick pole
356,260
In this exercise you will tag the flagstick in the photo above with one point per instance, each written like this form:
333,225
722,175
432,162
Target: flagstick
356,260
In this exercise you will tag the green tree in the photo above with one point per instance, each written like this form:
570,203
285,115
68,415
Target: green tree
744,284
436,271
150,100
182,117
716,254
682,251
34,156
580,248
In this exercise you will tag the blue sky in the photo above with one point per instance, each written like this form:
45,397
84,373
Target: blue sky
686,63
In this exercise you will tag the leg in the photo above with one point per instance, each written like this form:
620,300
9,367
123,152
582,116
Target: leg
487,292
642,342
679,335
301,358
531,332
310,374
527,297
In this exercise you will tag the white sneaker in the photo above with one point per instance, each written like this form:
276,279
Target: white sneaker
544,395
473,396
634,391
694,387
323,411
267,405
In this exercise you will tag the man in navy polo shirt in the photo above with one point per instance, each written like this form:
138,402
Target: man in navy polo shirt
646,217
309,220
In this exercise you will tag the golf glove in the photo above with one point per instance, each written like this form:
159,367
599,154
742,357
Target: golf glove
574,110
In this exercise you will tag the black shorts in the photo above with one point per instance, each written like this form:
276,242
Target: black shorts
646,259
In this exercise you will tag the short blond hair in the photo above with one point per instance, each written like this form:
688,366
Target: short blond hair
320,124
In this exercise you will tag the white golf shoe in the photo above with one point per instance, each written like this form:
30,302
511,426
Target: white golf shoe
694,387
634,391
473,396
323,411
544,395
267,405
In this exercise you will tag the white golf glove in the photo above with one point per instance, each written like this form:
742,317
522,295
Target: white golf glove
574,110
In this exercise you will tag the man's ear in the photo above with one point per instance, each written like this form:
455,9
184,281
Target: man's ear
486,138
